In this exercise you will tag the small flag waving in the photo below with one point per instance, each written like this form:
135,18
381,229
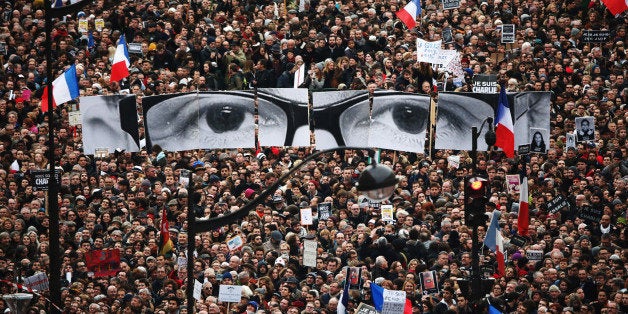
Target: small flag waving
495,242
165,244
523,218
64,89
121,61
503,125
344,296
409,13
616,6
377,294
15,167
493,310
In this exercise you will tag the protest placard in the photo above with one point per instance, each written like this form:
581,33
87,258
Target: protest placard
485,83
427,51
324,211
309,253
508,33
596,36
306,216
229,293
394,301
557,203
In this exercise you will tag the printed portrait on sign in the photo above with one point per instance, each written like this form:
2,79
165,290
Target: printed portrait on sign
109,122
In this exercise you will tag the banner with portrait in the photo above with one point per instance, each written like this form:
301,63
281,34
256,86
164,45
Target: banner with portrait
283,117
207,120
109,122
341,118
459,112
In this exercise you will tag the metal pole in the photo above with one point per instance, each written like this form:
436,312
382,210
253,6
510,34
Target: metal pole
189,291
475,254
53,206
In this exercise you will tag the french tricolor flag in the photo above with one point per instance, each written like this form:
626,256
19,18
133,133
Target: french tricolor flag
616,6
121,61
523,218
377,294
409,13
503,125
495,242
64,89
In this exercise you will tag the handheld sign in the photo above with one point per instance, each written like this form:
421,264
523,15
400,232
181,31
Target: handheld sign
508,33
230,293
557,203
595,36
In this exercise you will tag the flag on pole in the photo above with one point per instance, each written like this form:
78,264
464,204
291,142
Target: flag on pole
523,218
64,88
503,125
616,6
495,242
90,43
344,295
165,244
377,294
121,61
409,13
15,167
493,310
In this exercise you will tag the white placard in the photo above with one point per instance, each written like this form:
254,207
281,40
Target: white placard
99,24
306,216
198,288
182,262
101,152
427,51
453,161
309,253
235,243
83,26
38,282
394,301
74,117
387,212
230,293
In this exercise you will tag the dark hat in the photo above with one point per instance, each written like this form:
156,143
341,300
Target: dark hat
227,275
214,178
173,202
276,235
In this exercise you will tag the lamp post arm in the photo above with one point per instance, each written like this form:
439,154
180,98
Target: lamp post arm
67,9
205,225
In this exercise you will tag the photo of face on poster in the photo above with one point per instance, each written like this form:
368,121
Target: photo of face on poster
109,122
399,121
538,143
341,118
570,139
283,117
585,129
206,120
459,112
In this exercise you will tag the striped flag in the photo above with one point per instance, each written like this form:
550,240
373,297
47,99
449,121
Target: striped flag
505,136
121,61
523,218
64,88
495,242
344,295
409,13
165,244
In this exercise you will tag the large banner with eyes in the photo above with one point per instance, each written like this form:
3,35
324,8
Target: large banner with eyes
109,122
227,119
459,112
208,120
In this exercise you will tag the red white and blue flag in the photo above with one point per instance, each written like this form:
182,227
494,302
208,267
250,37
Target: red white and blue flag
121,62
64,89
495,242
503,125
523,218
409,13
616,6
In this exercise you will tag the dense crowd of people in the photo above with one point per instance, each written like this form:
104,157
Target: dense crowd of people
117,201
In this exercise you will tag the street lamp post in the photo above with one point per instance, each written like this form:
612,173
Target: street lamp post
52,200
377,182
476,280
